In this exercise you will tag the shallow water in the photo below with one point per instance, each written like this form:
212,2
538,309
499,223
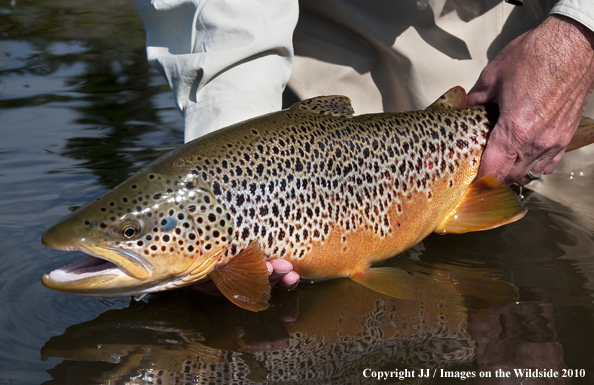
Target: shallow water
80,111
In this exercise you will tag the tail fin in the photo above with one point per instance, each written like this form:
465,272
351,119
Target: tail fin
584,135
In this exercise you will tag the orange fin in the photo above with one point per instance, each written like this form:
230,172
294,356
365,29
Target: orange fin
335,105
486,204
584,135
244,279
455,97
390,281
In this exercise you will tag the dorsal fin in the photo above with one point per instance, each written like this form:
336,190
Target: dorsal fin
244,279
455,97
335,105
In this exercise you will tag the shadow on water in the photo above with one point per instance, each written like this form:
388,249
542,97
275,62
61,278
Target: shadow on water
80,110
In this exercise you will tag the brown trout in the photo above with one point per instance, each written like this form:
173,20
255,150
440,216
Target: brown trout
329,192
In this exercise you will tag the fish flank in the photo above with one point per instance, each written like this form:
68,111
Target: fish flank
339,178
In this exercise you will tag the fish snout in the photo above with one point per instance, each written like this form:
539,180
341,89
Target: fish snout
58,237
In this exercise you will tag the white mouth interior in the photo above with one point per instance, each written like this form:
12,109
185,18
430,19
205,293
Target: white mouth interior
85,268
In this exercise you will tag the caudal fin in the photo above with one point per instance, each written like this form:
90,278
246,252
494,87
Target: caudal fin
584,135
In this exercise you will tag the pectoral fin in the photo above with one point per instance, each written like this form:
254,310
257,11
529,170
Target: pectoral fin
244,279
390,281
486,204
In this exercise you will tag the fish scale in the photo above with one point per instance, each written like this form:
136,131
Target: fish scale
329,192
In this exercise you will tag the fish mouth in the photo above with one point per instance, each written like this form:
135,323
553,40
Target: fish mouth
103,264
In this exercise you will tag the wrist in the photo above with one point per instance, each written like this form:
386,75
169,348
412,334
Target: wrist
578,34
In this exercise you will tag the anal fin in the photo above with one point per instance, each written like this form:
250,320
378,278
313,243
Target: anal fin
486,204
244,279
390,281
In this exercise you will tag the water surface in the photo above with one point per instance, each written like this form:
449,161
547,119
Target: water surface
80,111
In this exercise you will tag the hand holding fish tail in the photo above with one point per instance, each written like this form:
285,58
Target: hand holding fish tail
542,81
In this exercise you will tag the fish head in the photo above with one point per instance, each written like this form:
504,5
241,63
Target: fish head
148,234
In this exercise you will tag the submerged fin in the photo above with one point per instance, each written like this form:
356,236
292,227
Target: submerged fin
455,97
584,135
486,204
335,105
244,279
390,281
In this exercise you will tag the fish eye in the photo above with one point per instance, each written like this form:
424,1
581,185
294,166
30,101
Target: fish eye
129,231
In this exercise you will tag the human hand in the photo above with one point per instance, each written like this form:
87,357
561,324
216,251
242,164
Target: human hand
282,274
542,81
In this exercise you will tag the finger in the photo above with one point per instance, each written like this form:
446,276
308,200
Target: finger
538,168
553,163
497,158
280,268
289,281
478,96
543,164
484,90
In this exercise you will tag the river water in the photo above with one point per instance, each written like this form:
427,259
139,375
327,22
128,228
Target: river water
80,111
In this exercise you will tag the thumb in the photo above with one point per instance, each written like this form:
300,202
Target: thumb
484,90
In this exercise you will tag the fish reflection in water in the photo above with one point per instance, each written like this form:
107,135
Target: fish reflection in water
328,332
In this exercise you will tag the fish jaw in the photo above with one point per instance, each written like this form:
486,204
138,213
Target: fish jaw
106,272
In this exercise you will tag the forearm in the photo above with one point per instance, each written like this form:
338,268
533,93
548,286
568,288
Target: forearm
226,61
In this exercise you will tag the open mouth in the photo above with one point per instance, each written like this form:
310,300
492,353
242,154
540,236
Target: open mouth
101,262
85,268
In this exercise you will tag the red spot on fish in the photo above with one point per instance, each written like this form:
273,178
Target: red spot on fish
429,195
430,165
451,154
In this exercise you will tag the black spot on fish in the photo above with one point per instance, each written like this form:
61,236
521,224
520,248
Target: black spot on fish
216,188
